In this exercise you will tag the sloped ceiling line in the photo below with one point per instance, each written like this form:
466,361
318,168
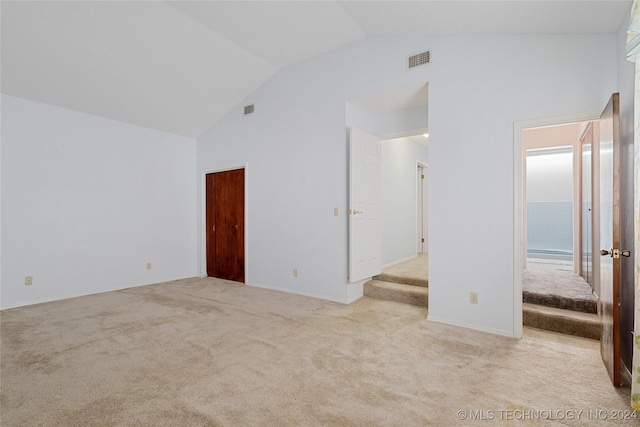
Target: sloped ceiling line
180,66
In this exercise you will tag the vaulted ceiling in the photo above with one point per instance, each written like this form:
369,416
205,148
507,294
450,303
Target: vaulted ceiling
180,66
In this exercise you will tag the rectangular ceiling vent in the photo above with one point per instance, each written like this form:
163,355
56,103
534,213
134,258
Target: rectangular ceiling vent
419,59
248,109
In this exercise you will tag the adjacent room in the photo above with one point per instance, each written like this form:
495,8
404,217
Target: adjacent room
306,213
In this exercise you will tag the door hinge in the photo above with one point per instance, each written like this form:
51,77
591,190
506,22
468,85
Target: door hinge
422,176
422,240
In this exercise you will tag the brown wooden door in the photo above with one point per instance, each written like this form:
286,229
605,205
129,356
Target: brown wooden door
609,302
225,225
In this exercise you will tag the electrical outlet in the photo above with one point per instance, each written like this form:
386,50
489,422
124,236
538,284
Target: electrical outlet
28,281
295,272
336,212
148,266
473,297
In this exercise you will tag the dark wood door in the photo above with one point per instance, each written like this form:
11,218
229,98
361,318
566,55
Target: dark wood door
609,302
225,225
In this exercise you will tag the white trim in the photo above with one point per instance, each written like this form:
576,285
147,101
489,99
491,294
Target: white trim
404,134
296,292
474,327
355,290
203,217
577,207
419,197
79,295
518,229
400,261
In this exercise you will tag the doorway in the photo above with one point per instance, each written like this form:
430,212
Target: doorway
400,115
402,199
225,225
519,206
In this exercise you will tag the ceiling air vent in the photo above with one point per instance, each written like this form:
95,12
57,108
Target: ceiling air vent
419,59
248,109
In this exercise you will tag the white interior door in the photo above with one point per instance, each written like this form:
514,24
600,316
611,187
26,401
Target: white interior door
365,250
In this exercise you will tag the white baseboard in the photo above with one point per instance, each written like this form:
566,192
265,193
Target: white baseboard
296,292
501,332
355,291
400,261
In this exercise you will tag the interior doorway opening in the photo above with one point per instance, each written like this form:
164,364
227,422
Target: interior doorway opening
403,222
395,124
388,134
557,225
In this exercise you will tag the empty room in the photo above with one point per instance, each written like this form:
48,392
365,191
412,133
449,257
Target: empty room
225,213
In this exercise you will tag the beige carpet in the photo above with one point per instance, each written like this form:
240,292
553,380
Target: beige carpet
413,272
556,285
202,352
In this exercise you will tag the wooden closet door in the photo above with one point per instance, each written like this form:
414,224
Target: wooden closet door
225,225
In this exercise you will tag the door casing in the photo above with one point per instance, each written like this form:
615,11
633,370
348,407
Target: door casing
519,248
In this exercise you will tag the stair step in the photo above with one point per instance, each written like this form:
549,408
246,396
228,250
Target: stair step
408,294
567,303
385,277
568,322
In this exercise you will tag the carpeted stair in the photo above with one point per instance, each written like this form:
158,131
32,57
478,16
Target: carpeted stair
553,300
408,290
561,320
559,301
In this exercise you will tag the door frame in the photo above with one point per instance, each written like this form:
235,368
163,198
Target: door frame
203,218
424,209
519,251
587,138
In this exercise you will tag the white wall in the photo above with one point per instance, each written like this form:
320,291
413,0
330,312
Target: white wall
407,122
399,198
295,147
87,202
550,177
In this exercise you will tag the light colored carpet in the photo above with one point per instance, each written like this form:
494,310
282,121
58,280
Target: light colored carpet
204,352
554,286
413,272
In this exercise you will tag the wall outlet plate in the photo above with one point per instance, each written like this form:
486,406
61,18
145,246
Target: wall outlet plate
28,281
473,297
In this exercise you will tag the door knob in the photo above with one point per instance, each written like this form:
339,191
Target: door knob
615,253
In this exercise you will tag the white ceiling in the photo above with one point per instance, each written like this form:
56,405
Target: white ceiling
180,66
